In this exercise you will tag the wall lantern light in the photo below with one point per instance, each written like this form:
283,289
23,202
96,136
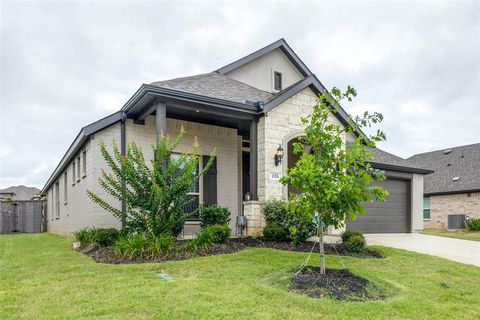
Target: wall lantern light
279,155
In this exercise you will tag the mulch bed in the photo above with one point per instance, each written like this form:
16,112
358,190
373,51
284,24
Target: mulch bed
339,284
178,252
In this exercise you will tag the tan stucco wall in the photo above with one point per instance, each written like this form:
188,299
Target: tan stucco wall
443,205
81,212
259,73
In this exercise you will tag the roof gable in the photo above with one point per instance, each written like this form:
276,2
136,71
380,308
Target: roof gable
279,44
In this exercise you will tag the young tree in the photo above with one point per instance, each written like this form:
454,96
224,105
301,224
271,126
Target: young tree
334,179
155,195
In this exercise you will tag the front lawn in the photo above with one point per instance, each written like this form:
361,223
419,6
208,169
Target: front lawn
42,278
459,234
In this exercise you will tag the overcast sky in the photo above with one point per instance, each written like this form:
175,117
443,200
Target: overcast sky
65,65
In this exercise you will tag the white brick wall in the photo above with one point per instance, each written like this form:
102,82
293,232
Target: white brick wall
80,212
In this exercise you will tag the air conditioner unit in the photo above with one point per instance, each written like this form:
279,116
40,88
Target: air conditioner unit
456,221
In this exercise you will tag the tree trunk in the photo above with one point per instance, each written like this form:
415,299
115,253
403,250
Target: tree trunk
320,242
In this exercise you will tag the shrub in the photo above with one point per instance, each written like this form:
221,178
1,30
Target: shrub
211,215
356,243
473,224
346,235
275,232
106,237
220,232
86,236
208,236
141,245
298,228
159,244
132,245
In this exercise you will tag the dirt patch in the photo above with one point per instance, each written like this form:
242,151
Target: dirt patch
178,252
339,284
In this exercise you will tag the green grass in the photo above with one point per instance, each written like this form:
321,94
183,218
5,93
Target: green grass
459,234
42,278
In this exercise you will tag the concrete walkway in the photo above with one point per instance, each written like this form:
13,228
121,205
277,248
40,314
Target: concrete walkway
464,251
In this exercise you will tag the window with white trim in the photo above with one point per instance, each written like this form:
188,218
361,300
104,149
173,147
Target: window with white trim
57,200
73,173
277,81
65,188
195,192
84,163
426,208
78,169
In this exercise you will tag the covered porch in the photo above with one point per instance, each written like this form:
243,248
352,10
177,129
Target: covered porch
229,130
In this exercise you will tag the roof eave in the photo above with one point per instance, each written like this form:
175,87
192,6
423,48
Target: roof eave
439,193
78,143
159,92
386,166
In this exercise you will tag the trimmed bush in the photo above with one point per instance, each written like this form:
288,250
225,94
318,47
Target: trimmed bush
208,236
212,215
473,224
138,245
86,236
356,243
275,232
106,237
298,228
220,233
346,235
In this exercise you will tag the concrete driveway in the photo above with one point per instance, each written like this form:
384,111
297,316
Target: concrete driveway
459,250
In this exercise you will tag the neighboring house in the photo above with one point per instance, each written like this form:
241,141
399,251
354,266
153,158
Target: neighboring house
249,111
19,193
452,191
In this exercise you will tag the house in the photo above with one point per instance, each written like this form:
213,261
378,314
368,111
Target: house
452,191
249,110
19,193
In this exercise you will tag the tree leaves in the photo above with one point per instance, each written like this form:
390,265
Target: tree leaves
155,194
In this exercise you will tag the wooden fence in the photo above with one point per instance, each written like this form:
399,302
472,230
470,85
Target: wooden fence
22,216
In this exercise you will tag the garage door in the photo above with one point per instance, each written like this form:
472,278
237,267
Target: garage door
391,216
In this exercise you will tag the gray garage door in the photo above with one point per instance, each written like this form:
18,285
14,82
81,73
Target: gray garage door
391,216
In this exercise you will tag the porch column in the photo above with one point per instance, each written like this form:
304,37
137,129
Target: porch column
123,148
253,159
161,118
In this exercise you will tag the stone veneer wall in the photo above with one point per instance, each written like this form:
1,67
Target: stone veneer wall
443,205
278,127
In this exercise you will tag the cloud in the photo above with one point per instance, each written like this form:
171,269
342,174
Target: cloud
66,64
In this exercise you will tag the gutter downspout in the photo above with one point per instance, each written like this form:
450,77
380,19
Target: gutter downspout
123,147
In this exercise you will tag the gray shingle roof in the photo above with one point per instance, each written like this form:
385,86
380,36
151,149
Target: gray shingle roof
382,157
216,85
21,192
462,162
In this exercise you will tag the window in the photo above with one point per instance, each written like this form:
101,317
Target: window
84,163
426,208
65,186
277,81
73,173
78,169
57,200
193,194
